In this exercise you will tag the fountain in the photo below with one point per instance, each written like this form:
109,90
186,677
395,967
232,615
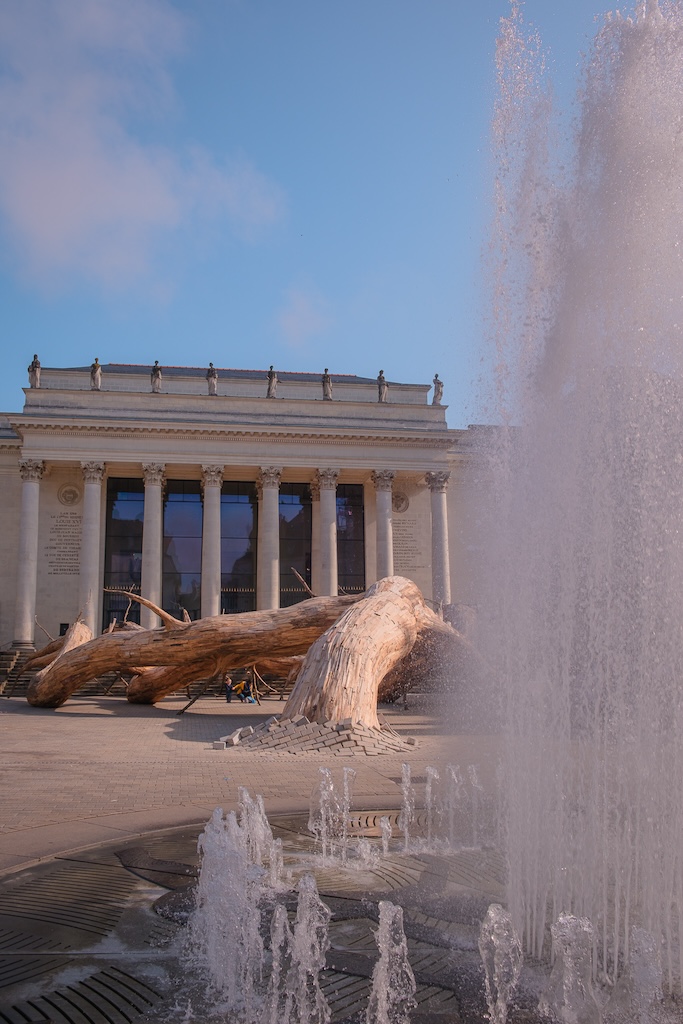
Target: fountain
501,953
582,529
393,981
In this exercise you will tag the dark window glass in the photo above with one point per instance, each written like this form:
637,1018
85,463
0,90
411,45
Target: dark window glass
182,548
295,542
350,538
123,548
239,507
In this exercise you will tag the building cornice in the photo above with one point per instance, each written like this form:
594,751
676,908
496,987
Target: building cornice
442,440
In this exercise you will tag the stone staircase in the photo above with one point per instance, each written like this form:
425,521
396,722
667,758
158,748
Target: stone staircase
11,665
14,682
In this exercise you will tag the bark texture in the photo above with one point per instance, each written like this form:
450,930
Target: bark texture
164,659
344,668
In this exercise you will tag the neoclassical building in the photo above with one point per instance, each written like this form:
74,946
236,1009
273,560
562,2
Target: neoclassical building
220,490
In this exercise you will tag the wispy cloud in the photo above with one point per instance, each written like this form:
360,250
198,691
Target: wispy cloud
82,190
303,316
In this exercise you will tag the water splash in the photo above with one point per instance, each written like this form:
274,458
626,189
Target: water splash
407,815
368,855
349,776
432,778
454,800
305,1002
582,555
281,950
329,814
638,993
501,953
386,833
223,932
569,997
393,981
324,814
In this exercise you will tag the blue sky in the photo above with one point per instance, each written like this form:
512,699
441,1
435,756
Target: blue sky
297,182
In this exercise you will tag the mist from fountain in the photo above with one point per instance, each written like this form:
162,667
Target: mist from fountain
581,506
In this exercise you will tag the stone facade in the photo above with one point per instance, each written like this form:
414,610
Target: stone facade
64,455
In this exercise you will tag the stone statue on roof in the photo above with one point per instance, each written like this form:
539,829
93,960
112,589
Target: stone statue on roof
34,373
326,382
382,387
156,377
438,390
272,383
96,375
212,379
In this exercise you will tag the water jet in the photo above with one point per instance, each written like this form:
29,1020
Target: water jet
582,555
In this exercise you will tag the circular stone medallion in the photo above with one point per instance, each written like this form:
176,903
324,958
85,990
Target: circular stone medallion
400,502
69,494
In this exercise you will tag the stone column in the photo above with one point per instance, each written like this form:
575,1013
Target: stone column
268,554
441,573
315,536
152,537
383,479
327,482
212,480
89,584
25,610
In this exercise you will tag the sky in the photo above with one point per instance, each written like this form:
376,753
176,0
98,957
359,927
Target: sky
303,183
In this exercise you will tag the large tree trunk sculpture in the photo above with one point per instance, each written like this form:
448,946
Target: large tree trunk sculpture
164,659
350,646
342,672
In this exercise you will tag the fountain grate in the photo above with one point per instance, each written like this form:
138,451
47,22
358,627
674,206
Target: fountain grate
86,897
110,996
24,956
55,971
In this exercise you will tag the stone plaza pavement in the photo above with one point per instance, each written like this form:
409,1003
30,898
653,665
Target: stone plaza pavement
99,769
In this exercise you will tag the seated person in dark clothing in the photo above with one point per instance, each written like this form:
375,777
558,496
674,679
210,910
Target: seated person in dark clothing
240,687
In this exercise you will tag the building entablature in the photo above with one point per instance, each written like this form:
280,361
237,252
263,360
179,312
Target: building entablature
233,411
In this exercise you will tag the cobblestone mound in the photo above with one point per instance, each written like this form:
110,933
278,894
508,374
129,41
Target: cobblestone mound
298,735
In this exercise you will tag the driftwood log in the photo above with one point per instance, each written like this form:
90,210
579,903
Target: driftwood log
165,659
350,645
344,668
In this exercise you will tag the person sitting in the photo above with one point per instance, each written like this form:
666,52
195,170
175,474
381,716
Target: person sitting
247,695
240,687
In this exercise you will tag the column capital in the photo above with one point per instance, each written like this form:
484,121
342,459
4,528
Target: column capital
314,488
269,476
153,472
437,482
93,472
212,476
326,479
383,479
31,469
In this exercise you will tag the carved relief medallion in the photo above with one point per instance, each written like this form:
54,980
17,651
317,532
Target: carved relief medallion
69,495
